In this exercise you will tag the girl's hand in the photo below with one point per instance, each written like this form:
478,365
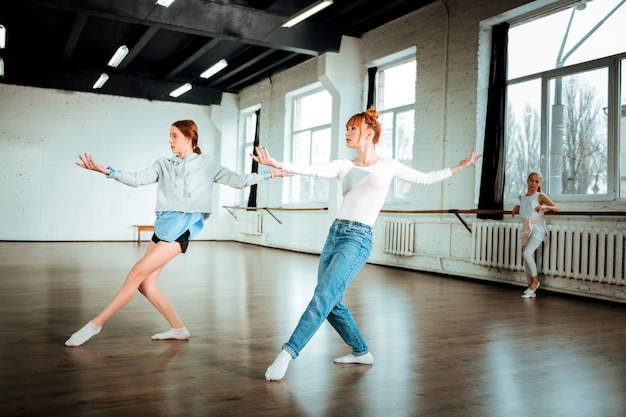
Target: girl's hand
515,211
263,157
87,162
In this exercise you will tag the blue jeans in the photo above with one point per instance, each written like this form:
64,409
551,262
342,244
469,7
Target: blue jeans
347,248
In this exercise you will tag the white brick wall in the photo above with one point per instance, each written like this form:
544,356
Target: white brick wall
46,197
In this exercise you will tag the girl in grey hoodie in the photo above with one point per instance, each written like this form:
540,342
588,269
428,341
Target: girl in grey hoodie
184,200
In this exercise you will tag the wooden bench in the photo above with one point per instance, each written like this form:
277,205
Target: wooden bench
141,228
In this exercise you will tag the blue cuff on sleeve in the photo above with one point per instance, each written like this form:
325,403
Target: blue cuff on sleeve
266,175
111,172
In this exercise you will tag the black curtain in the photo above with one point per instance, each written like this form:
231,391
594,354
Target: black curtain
492,177
255,164
371,86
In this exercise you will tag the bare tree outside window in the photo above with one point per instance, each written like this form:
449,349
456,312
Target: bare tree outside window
585,140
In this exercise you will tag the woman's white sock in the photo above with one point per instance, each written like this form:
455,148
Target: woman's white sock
276,371
366,359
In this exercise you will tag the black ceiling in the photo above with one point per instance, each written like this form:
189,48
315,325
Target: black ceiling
66,44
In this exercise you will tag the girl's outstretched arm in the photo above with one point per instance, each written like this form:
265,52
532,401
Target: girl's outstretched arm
87,162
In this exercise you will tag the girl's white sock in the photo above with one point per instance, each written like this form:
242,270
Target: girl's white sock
88,331
178,334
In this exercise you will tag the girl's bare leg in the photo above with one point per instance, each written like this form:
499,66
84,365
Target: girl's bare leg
148,267
160,301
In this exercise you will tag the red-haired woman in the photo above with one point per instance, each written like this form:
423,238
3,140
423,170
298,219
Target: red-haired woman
365,181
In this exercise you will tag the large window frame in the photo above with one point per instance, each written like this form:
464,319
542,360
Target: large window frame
551,136
309,134
247,132
397,119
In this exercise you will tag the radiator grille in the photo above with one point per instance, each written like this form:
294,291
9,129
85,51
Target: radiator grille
399,238
583,253
250,223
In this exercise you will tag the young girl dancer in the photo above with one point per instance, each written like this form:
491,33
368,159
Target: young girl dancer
531,208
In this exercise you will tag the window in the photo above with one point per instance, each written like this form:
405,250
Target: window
310,145
248,121
564,113
396,107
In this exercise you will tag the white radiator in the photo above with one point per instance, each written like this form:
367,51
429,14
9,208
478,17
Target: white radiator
583,253
399,238
250,223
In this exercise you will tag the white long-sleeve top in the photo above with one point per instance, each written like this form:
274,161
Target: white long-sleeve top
365,188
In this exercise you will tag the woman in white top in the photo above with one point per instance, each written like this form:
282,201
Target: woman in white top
365,181
531,208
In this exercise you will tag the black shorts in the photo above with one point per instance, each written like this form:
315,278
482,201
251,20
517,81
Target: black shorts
182,239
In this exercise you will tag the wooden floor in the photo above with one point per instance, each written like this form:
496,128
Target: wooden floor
442,346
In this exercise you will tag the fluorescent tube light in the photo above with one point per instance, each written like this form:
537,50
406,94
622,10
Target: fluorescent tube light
118,56
165,3
3,37
100,82
306,13
181,90
217,67
1,67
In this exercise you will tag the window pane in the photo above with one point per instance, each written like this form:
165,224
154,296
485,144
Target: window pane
622,130
522,136
396,98
302,147
396,86
320,149
552,42
405,130
578,135
385,146
250,131
310,145
320,153
312,110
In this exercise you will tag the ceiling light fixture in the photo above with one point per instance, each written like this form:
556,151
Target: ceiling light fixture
1,67
181,90
3,37
118,56
165,3
100,82
306,13
217,67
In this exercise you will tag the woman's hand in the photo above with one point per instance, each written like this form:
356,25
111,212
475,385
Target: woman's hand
470,160
263,157
467,162
279,173
87,162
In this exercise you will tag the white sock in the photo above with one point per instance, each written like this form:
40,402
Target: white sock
88,331
276,371
179,334
366,359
